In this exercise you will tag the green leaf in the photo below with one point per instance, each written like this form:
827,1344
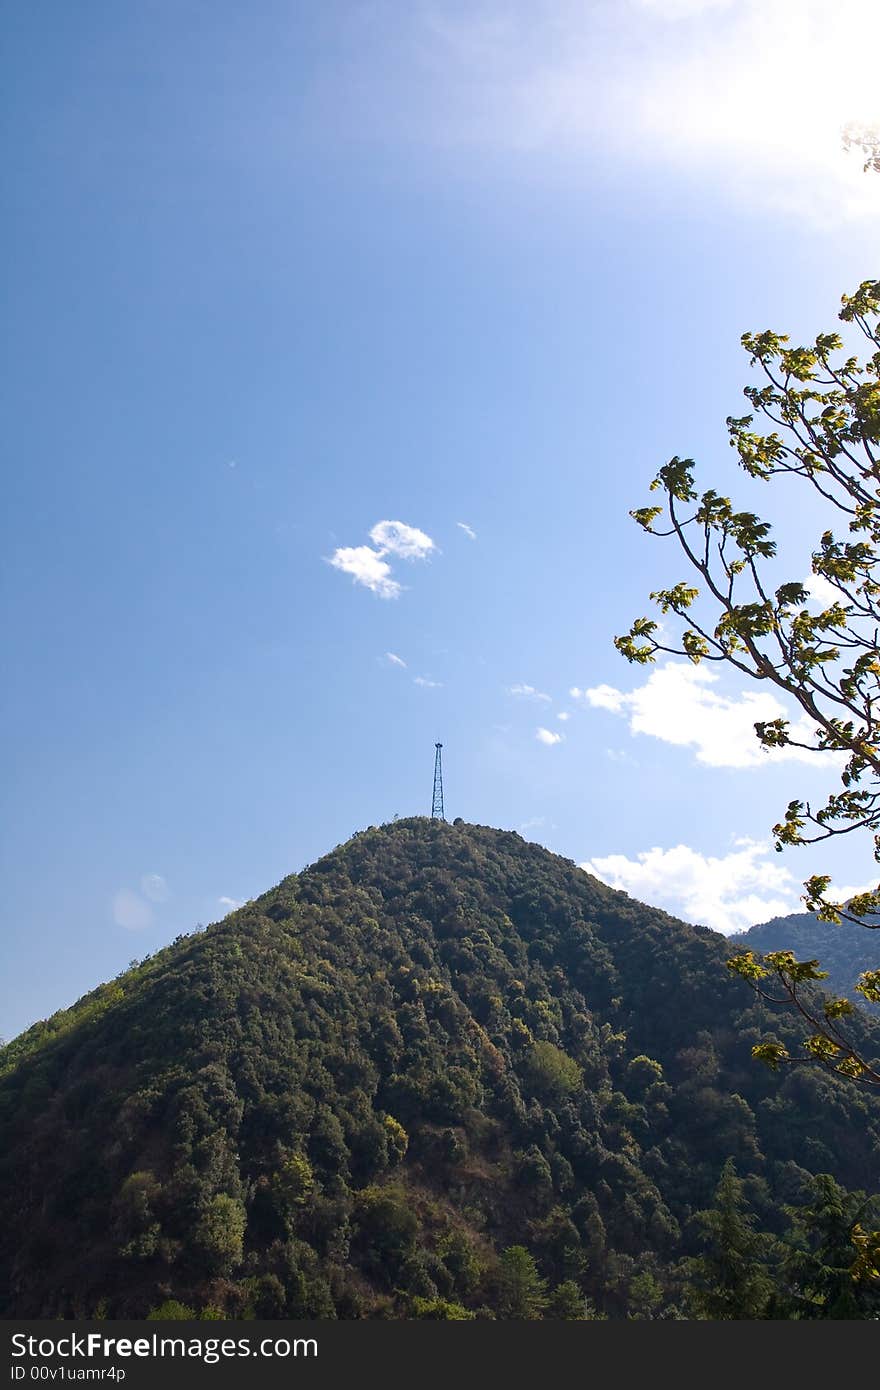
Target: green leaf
771,1053
645,516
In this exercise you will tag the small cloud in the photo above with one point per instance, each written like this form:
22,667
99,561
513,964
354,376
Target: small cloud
427,684
547,737
729,892
677,705
533,824
230,904
563,715
601,697
468,530
842,892
822,591
154,887
394,660
396,538
130,911
366,567
527,692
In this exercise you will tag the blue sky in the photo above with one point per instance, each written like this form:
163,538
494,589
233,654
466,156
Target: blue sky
283,274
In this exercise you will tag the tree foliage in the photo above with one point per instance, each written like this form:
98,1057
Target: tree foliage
846,952
350,1097
730,1280
830,1269
522,1293
819,412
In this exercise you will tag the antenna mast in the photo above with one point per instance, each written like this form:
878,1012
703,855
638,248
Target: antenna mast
437,802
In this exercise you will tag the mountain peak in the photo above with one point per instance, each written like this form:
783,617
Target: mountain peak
353,1094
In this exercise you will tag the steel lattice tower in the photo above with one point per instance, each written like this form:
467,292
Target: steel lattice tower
437,801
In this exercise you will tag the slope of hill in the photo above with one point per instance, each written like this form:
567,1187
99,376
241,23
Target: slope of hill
347,1097
844,951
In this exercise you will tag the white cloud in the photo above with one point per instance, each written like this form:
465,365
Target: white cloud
822,591
154,887
131,911
527,692
396,538
677,705
366,567
563,715
841,892
548,737
394,660
230,904
729,893
428,684
468,530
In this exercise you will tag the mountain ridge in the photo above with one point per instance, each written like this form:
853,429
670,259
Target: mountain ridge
350,1096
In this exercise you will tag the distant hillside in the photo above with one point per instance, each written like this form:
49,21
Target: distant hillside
351,1096
844,951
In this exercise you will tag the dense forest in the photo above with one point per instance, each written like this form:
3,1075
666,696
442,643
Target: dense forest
441,1073
844,950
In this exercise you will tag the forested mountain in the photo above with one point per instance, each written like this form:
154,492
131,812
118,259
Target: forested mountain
440,1073
844,951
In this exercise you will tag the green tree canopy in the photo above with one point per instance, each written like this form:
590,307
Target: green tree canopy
522,1290
730,1280
825,1276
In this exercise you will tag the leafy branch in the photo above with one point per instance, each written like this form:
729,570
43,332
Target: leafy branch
826,1044
818,410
